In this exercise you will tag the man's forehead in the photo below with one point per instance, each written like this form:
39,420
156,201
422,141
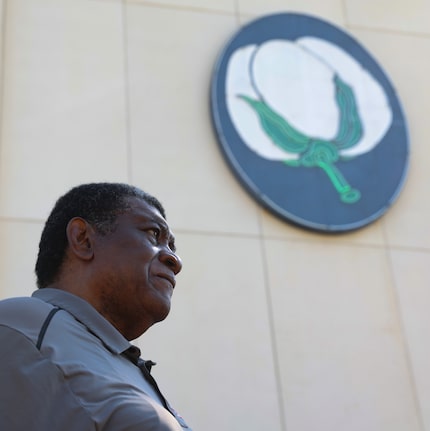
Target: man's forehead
143,210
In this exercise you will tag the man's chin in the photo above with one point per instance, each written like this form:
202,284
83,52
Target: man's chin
163,310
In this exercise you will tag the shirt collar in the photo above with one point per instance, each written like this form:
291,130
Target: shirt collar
86,314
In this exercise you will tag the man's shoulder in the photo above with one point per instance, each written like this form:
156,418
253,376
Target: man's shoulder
33,393
24,314
17,307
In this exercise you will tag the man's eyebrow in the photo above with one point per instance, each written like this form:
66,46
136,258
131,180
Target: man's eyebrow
166,231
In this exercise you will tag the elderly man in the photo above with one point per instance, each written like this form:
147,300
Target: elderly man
106,272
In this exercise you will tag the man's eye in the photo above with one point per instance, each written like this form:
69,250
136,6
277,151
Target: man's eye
154,232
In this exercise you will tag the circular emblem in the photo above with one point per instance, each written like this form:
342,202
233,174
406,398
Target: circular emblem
309,122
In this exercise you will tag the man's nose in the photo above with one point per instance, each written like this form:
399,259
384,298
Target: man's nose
171,259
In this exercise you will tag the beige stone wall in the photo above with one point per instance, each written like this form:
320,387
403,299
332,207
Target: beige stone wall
273,328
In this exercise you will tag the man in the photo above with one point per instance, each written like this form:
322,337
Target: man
106,272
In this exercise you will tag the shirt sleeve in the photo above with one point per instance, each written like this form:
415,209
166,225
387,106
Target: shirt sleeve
132,414
36,394
33,393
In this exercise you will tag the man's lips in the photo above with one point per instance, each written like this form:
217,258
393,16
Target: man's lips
169,278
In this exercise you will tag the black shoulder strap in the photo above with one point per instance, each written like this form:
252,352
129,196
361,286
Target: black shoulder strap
45,326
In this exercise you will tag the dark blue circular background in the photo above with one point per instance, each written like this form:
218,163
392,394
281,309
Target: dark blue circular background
306,196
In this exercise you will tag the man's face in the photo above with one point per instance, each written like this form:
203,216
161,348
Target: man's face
135,269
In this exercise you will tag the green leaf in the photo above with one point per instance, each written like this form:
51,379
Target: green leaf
280,132
350,128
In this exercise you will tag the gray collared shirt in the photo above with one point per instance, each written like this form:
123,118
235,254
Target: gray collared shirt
79,378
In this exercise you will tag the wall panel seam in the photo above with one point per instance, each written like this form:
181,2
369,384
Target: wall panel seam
405,343
273,342
126,59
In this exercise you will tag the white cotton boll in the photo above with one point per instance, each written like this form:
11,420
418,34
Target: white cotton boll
296,80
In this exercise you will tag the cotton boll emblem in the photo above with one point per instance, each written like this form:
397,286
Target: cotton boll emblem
303,109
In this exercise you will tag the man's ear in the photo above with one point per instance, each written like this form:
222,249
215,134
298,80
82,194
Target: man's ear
80,236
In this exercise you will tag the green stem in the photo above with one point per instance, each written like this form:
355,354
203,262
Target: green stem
347,193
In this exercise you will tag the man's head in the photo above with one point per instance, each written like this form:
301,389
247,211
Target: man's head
97,203
110,244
